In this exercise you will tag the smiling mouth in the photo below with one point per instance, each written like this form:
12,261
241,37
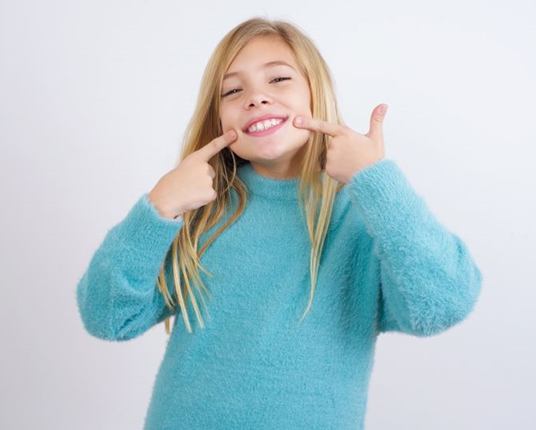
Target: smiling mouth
268,131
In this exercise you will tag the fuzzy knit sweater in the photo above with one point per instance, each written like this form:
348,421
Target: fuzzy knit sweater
387,265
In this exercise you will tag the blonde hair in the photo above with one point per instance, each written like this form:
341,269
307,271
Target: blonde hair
317,190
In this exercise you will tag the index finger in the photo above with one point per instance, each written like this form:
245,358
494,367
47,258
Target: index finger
216,145
322,126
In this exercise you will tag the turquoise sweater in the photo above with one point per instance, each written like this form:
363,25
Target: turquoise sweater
387,265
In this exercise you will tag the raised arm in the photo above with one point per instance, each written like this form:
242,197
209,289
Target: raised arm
117,296
429,281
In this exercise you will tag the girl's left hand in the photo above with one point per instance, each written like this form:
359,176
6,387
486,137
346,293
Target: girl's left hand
348,152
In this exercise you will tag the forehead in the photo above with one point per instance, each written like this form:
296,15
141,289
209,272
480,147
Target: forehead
261,52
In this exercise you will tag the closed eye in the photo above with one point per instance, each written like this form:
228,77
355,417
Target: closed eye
283,78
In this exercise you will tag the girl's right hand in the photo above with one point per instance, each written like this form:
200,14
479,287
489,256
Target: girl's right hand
189,185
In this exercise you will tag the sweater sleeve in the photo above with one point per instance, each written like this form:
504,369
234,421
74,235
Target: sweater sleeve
118,297
428,279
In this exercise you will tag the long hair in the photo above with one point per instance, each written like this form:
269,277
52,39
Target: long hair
317,190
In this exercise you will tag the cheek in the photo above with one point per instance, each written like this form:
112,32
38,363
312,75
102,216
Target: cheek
227,121
225,115
240,147
306,102
303,135
298,136
223,120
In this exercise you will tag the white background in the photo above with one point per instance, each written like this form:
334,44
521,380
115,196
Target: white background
95,96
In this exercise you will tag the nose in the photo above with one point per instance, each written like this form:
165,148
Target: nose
257,98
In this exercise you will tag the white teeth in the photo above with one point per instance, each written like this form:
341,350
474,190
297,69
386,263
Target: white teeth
263,125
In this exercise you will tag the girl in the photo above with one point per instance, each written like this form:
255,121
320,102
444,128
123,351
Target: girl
302,207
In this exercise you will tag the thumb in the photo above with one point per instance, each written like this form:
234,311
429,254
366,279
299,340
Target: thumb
376,123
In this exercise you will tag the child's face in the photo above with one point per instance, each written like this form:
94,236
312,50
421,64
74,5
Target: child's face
254,93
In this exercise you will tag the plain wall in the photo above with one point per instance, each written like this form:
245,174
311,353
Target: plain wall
94,99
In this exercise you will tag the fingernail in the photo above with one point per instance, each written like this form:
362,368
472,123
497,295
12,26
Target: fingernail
299,120
232,134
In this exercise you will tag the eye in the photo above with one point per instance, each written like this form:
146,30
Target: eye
282,78
229,92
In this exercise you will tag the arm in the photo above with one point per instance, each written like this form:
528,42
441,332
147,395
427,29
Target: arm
429,281
118,298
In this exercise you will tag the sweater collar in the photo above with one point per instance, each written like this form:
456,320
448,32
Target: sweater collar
280,189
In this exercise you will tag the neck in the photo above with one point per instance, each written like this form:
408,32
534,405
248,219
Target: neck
266,186
275,172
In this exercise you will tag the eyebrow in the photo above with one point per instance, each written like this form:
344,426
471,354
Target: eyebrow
268,64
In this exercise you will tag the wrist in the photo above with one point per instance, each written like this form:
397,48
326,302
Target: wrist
162,211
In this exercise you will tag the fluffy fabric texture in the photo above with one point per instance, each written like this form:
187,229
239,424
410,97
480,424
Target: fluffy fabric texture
387,265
